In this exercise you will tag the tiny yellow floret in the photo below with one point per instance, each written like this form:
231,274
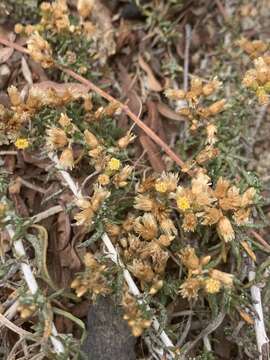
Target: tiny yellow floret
161,186
114,164
212,286
103,179
183,203
21,143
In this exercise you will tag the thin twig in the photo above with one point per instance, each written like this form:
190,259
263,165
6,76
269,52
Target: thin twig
261,336
47,213
205,332
7,323
85,181
258,122
222,9
8,152
32,284
31,186
184,334
186,60
207,343
260,239
11,311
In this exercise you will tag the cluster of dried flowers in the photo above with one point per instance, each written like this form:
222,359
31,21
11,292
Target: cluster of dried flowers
258,78
209,206
15,118
161,204
144,241
199,277
134,315
200,116
56,20
93,279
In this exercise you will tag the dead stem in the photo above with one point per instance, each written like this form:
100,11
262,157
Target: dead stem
47,213
32,283
4,321
186,60
261,336
31,186
205,332
261,240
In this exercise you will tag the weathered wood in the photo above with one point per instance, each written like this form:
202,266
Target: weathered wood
109,337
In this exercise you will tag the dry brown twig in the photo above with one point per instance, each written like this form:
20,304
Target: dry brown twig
261,240
7,323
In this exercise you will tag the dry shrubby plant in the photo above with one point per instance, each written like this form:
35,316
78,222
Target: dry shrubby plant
183,234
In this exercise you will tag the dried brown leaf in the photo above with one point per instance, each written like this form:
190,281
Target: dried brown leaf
102,19
19,204
68,256
153,83
154,121
63,231
168,113
153,153
129,89
5,54
26,71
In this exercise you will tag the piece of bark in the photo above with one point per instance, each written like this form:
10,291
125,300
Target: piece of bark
109,337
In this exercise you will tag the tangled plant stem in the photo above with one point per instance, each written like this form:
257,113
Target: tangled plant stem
32,284
113,255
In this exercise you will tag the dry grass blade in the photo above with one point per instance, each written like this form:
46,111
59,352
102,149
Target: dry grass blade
7,323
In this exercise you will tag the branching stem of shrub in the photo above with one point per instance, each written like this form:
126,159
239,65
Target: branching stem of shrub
113,255
32,283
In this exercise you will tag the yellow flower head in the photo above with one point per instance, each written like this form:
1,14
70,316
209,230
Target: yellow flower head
183,203
103,179
21,143
212,286
114,164
161,186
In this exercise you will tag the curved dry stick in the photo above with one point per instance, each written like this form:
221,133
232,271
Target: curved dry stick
211,327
